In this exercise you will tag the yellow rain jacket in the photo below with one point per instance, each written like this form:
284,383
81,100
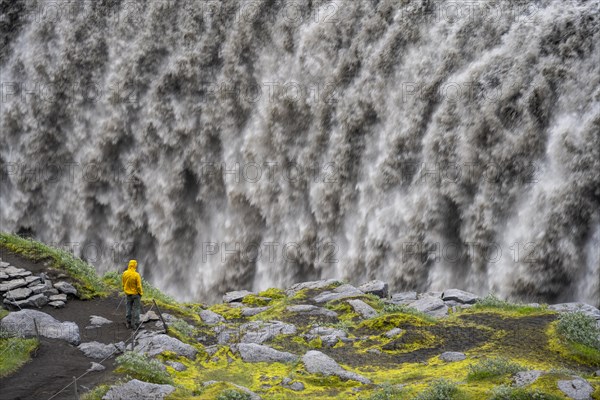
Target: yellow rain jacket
132,281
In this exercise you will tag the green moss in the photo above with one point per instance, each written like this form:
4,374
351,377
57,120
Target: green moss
273,293
84,276
316,343
226,311
386,322
493,368
570,350
256,301
3,313
493,303
97,393
14,353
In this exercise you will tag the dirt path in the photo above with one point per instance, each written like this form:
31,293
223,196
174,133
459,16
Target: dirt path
56,362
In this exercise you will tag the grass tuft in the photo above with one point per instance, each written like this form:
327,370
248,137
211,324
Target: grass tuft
493,368
579,328
139,366
441,389
14,352
505,392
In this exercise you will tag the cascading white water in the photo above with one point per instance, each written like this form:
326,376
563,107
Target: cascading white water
249,144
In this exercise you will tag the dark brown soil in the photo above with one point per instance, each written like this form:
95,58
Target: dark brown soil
56,362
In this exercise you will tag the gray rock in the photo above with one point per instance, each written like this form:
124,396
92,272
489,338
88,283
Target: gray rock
12,284
250,311
41,288
403,298
253,396
4,264
362,308
312,285
226,335
459,296
431,305
452,356
576,389
50,292
262,331
211,317
33,280
597,373
319,363
58,304
3,276
329,336
297,386
236,296
340,292
58,297
38,300
65,288
21,323
100,350
18,294
154,344
311,310
393,332
96,367
573,307
378,288
252,352
525,378
138,390
150,316
177,366
211,350
96,320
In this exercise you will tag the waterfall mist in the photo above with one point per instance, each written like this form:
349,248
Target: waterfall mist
250,144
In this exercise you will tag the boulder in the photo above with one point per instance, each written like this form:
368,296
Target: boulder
22,323
262,331
38,300
96,320
3,276
362,308
250,311
377,288
41,288
576,389
340,292
236,296
393,332
58,297
403,298
573,307
433,306
211,317
18,294
96,367
452,356
101,350
524,378
319,363
459,296
252,352
59,304
138,390
154,344
149,316
12,284
65,288
329,336
177,366
312,285
288,383
33,280
311,310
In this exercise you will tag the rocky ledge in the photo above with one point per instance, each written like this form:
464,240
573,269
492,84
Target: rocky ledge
324,339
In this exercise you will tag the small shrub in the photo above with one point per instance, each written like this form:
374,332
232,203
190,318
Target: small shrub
231,394
493,368
579,328
182,327
389,392
441,389
143,368
506,392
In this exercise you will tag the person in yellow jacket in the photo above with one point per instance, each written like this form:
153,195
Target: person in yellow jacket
132,286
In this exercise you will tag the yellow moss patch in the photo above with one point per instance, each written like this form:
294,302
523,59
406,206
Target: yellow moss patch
273,293
389,321
226,311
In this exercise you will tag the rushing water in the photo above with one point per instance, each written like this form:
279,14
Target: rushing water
250,144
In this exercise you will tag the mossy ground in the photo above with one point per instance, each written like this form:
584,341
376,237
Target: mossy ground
522,334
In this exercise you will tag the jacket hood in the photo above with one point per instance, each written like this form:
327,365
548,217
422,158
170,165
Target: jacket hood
132,264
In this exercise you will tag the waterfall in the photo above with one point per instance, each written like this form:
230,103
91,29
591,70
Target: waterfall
251,144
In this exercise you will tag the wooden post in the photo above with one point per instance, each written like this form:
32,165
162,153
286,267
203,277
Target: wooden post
37,332
75,385
161,317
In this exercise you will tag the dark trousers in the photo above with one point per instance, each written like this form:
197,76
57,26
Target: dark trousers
133,309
